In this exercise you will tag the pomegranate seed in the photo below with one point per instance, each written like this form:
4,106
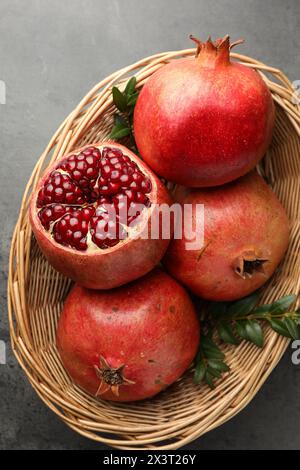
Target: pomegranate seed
106,171
111,152
90,151
87,213
125,179
108,179
146,185
141,198
134,186
53,191
83,167
130,170
72,228
51,213
130,195
115,175
115,160
137,177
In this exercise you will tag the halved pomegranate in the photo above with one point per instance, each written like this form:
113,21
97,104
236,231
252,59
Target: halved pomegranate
90,213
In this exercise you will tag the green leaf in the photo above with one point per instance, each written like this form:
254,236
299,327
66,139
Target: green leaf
119,99
199,372
243,307
198,357
132,99
241,329
119,131
226,333
207,342
250,330
282,305
279,327
254,332
210,348
130,118
262,310
213,354
296,318
209,380
130,86
218,365
118,119
130,113
214,372
292,327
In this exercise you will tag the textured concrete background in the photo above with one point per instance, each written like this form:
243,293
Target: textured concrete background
51,54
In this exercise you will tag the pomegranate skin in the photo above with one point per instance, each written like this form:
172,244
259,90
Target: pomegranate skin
149,326
103,269
204,121
246,233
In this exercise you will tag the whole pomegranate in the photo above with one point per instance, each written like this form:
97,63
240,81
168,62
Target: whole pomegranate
131,342
204,121
245,237
89,212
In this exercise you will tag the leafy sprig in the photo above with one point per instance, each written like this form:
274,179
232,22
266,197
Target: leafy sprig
210,361
237,321
123,119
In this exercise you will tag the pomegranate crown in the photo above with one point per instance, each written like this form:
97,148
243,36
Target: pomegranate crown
210,52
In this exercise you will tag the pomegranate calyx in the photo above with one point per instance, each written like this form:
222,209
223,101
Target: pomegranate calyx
198,44
212,53
249,263
111,378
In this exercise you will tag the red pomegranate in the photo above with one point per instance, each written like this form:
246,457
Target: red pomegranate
89,213
204,121
245,237
131,342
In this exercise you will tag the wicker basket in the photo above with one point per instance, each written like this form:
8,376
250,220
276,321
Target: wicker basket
36,292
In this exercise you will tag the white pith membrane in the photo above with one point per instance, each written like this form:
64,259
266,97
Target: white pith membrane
138,212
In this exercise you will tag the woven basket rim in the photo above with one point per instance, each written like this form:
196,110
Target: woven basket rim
83,120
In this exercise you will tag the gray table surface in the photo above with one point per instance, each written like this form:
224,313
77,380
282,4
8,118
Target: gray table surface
51,54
